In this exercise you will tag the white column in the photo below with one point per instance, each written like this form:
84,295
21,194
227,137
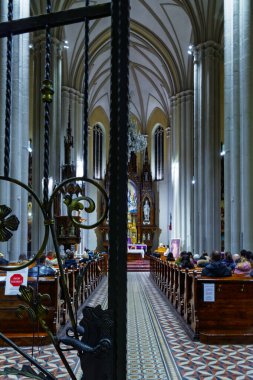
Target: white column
19,134
232,196
188,169
175,138
207,147
238,37
246,121
182,167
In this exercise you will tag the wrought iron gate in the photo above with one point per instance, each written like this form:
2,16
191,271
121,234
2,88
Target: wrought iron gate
119,11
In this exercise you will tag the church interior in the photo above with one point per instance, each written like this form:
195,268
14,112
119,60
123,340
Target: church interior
125,151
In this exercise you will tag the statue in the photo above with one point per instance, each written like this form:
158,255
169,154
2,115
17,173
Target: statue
146,211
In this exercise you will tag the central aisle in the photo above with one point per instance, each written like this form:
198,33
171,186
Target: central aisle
148,356
158,347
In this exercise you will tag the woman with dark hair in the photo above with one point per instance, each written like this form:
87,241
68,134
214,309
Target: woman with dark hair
186,261
170,257
228,260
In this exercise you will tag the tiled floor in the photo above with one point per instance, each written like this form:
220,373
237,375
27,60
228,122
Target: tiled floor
158,347
46,355
177,354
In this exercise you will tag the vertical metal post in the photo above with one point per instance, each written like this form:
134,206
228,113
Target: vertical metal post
118,182
86,94
8,96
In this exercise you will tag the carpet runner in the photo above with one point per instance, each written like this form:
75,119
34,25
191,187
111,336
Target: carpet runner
140,265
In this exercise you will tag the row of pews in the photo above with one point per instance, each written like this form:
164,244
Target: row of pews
21,329
213,310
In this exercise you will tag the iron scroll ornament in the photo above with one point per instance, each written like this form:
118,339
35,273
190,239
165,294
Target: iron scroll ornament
46,224
46,209
73,204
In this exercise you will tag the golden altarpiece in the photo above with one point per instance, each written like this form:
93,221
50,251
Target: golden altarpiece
141,205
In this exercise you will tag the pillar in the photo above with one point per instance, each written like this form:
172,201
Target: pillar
238,17
182,167
16,197
207,235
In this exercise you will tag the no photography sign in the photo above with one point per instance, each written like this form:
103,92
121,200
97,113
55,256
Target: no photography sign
14,280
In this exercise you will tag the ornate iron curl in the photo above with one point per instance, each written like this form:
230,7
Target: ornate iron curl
7,224
76,205
46,232
35,308
37,312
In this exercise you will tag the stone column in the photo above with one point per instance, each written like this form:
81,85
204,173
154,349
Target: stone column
182,167
175,141
232,196
17,198
238,124
207,234
246,121
187,167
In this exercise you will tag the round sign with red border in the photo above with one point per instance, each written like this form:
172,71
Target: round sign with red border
16,279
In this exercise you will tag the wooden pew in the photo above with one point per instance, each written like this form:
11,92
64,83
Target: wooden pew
26,334
229,319
23,331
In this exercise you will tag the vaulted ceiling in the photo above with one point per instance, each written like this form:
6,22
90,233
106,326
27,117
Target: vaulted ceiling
160,66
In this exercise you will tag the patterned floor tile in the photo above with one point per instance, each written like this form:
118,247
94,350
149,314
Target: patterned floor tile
158,347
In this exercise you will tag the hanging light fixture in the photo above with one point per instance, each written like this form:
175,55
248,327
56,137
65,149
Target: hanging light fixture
136,141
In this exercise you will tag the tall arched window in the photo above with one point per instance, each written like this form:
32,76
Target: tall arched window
159,153
97,152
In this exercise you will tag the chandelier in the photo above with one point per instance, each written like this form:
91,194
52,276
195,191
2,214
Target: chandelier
136,141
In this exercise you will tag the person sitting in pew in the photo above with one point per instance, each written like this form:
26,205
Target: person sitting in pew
70,261
41,269
51,258
196,258
159,251
186,260
85,257
216,268
228,260
3,261
170,257
203,260
243,267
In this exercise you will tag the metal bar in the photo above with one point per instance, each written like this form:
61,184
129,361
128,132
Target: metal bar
25,355
118,182
71,16
8,97
86,94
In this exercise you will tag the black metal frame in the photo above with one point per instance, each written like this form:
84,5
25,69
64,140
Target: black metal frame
119,10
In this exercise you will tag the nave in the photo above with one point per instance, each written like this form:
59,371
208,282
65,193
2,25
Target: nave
158,347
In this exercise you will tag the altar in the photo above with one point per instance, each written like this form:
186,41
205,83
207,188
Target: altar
137,249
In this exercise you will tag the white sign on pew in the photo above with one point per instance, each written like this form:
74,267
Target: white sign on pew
13,281
209,292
